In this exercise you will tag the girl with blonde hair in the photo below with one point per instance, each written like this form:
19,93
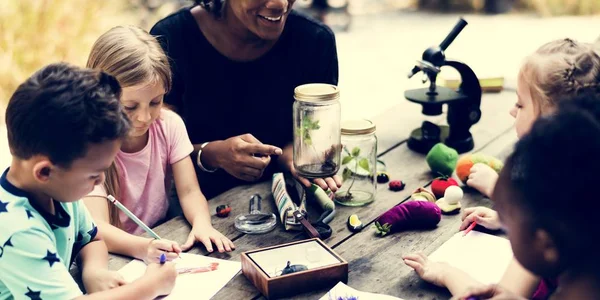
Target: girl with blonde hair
156,150
558,71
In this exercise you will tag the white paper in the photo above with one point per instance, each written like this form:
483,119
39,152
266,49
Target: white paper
483,256
191,285
344,292
310,254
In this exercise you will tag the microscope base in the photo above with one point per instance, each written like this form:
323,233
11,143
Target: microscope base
417,143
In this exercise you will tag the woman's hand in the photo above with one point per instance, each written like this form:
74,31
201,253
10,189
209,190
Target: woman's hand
243,156
430,271
482,178
286,160
483,216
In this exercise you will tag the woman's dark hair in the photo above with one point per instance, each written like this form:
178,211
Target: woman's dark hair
213,6
554,170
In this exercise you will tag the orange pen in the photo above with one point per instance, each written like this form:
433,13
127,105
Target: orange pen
470,228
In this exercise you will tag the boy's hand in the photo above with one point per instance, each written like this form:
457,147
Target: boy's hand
483,178
157,247
494,291
207,235
484,216
101,280
162,277
429,271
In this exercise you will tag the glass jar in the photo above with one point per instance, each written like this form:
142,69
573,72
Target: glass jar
317,143
359,163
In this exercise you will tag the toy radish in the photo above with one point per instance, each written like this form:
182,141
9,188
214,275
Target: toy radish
439,185
408,215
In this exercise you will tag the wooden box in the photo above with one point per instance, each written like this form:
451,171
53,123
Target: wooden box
263,268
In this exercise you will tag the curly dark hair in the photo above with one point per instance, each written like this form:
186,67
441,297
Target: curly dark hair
553,172
60,110
214,6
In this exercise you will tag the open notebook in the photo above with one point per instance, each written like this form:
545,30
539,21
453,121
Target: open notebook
483,256
200,277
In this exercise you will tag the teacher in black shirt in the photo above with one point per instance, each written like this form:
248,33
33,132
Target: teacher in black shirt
235,66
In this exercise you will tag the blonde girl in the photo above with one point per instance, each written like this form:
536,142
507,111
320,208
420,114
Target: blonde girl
156,150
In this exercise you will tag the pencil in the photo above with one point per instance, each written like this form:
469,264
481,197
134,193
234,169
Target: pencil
133,217
470,228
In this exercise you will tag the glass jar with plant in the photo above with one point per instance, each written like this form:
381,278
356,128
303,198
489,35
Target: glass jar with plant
317,144
359,163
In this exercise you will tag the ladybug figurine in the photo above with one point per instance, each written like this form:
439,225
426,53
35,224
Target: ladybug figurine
223,210
382,177
396,185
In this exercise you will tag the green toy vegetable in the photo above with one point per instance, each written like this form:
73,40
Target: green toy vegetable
442,159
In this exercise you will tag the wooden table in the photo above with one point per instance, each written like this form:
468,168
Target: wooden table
374,263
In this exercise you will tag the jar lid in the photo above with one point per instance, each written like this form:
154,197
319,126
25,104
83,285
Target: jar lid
316,92
356,127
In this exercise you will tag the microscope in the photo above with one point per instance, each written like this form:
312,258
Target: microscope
463,103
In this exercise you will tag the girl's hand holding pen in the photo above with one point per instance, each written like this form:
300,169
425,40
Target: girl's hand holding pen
157,247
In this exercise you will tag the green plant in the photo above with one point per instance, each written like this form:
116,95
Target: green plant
308,125
360,162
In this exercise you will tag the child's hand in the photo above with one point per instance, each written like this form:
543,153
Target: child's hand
207,235
157,247
484,216
162,277
482,178
429,271
494,291
101,280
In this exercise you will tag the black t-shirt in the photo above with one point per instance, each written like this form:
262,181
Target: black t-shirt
219,98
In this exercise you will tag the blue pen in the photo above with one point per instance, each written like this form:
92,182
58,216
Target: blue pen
163,258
